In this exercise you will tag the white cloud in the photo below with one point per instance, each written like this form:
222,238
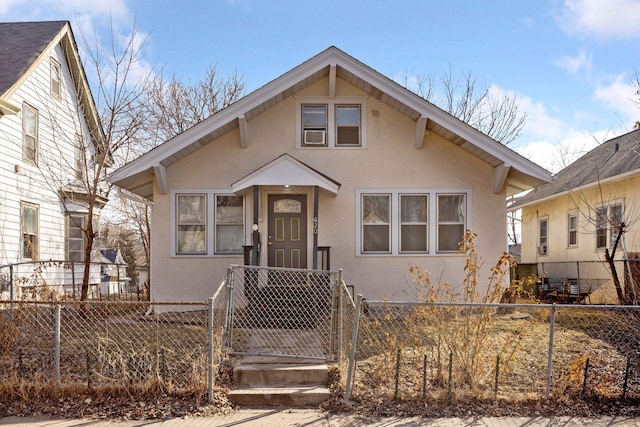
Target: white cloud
555,156
619,96
539,122
602,18
574,64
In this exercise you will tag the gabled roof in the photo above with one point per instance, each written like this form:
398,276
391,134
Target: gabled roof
614,159
23,45
286,170
511,169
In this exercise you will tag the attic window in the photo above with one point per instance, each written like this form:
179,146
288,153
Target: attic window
55,78
333,123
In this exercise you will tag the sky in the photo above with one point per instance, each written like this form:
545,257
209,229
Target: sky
571,64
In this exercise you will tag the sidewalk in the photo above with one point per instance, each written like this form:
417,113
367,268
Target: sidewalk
315,418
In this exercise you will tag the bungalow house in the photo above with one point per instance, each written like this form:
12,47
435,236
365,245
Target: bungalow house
330,161
569,223
47,121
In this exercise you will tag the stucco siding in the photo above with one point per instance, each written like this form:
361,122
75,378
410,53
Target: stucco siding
389,160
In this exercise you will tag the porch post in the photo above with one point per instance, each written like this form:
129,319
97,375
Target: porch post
315,227
255,253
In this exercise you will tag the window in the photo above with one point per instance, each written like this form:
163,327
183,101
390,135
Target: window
572,226
451,221
397,222
207,222
229,224
29,226
79,157
191,224
314,125
332,123
608,219
75,237
376,223
55,78
30,133
347,125
543,236
414,227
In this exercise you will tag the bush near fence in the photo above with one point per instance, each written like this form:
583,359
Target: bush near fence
526,352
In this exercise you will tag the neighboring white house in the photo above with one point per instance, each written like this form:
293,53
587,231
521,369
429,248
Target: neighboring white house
331,157
569,223
114,273
48,128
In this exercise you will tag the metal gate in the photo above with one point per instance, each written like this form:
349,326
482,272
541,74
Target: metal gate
283,312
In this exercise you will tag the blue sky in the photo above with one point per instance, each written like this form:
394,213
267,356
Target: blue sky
569,62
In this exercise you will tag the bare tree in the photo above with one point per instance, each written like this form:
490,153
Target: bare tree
491,111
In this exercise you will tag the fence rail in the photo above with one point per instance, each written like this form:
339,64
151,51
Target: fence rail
511,351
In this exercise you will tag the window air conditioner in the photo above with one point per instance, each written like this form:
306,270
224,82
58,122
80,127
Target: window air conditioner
542,249
314,137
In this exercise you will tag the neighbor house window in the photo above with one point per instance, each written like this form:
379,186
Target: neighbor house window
29,133
608,220
75,237
543,236
208,222
451,221
347,125
398,222
191,224
55,78
29,226
79,157
229,224
331,122
572,226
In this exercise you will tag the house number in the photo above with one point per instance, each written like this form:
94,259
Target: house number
315,225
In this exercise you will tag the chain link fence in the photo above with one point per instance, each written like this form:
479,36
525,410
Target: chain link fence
408,351
113,344
289,312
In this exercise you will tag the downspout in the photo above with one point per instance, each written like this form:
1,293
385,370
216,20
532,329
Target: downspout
315,228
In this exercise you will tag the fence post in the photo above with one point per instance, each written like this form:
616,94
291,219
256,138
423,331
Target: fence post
57,339
73,279
340,319
210,330
228,318
11,291
352,352
552,324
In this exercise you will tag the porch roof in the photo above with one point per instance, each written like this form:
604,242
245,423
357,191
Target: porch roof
286,170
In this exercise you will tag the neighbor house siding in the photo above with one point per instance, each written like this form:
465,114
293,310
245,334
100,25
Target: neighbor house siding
20,181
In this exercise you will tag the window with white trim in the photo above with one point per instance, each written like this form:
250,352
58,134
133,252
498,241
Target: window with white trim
399,222
543,236
207,223
75,237
333,123
608,220
56,78
29,219
572,229
29,133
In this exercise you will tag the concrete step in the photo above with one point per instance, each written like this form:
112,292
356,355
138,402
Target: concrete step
279,396
280,374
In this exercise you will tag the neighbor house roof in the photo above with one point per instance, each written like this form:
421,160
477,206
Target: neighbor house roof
23,45
510,169
612,160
